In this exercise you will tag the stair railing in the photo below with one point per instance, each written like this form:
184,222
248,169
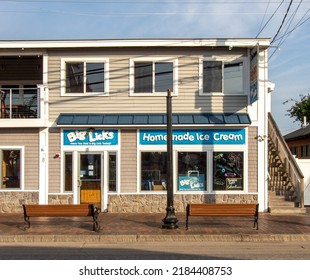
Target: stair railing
295,174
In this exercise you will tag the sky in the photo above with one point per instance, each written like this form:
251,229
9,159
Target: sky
285,22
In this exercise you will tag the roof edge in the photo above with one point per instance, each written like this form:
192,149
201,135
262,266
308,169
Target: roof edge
186,42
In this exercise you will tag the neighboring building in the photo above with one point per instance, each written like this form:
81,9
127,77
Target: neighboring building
299,142
85,121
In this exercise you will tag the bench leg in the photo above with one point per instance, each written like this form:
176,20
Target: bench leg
96,226
187,214
27,222
255,222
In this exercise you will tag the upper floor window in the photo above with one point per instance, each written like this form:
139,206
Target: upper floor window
153,77
305,151
226,77
87,76
294,150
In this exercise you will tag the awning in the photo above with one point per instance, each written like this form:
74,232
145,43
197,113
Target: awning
121,120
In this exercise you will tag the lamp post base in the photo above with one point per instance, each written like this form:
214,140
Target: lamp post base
170,221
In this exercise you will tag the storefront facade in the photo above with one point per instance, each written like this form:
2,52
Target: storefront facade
101,133
124,170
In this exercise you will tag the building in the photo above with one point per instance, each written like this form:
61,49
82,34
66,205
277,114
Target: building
299,142
85,121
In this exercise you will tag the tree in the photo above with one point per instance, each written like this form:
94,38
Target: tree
300,108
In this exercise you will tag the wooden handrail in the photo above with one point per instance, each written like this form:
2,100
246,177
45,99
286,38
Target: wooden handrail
288,160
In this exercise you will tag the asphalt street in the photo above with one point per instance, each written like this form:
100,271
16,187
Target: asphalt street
156,251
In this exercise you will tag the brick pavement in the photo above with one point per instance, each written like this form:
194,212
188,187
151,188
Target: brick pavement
125,226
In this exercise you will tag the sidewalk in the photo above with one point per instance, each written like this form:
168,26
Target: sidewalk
148,227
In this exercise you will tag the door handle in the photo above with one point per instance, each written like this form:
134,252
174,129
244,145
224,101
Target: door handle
79,183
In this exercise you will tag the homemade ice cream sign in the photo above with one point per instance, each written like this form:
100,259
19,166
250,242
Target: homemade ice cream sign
100,137
194,137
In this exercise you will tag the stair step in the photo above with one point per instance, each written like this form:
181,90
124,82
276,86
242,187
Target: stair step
285,210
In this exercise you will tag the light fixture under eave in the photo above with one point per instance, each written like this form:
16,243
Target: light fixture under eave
261,138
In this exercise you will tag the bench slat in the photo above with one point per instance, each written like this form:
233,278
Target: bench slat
69,210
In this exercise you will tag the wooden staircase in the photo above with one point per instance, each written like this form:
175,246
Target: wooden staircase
286,181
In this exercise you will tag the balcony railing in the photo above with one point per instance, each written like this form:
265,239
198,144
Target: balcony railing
19,103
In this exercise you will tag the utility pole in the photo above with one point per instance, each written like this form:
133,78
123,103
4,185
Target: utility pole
170,221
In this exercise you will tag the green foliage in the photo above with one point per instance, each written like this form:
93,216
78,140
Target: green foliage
300,108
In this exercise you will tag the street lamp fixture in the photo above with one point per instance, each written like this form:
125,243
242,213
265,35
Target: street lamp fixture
170,221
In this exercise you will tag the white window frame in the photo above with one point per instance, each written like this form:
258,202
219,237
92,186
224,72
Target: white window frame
208,149
223,60
153,60
84,60
75,150
22,167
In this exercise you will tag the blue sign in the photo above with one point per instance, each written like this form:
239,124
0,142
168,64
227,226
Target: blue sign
194,137
190,183
90,137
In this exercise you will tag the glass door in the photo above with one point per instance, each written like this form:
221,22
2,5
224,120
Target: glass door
90,178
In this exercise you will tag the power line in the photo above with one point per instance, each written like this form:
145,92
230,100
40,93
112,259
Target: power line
289,24
263,19
283,20
270,18
299,23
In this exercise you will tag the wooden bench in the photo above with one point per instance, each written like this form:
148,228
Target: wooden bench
61,210
223,210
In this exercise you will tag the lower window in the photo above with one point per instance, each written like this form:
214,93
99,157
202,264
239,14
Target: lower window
192,171
228,171
112,171
11,169
153,171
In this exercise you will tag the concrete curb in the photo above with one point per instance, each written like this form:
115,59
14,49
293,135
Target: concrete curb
132,238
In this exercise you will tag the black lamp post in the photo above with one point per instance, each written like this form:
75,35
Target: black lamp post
170,221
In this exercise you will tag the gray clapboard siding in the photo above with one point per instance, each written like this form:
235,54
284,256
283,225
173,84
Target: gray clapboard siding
54,163
252,160
29,139
119,101
128,161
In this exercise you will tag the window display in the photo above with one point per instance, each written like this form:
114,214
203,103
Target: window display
228,171
11,169
192,171
153,171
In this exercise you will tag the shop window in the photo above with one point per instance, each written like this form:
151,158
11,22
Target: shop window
112,172
84,77
68,172
11,169
153,171
222,77
192,171
228,171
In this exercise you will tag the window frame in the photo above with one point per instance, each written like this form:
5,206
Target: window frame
223,60
305,151
208,150
153,60
244,172
206,175
84,60
22,167
139,170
